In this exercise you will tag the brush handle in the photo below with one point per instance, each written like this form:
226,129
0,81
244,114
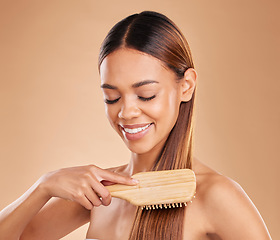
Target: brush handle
115,188
168,186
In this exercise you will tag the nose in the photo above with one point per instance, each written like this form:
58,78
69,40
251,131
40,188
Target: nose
129,110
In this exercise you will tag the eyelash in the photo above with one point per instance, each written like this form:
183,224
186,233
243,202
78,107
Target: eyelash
111,101
147,99
141,98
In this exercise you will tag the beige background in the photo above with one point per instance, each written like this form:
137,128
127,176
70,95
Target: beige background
51,107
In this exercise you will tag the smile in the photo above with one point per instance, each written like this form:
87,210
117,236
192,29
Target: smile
136,130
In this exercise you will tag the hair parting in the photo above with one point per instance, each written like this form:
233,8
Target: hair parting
155,34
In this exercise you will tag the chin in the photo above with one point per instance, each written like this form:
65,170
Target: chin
144,147
138,148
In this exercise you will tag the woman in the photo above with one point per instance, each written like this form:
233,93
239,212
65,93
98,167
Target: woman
148,80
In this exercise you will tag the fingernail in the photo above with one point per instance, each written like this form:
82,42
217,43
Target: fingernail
135,181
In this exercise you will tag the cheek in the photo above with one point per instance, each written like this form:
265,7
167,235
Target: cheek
111,114
166,108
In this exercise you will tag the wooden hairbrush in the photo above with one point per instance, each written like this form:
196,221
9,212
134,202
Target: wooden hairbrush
158,189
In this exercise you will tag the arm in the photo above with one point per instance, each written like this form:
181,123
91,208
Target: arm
14,218
232,213
33,216
56,219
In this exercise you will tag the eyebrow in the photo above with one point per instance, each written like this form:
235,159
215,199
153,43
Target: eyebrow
134,85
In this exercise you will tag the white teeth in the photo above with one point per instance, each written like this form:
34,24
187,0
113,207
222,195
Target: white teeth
136,130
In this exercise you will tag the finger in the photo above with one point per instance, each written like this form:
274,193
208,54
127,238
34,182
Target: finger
102,192
116,178
107,183
83,200
93,198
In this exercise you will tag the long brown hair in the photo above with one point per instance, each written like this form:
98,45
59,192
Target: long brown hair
155,34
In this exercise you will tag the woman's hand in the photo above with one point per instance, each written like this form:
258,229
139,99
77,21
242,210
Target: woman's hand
82,184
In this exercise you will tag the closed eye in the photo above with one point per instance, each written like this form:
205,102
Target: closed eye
107,101
147,99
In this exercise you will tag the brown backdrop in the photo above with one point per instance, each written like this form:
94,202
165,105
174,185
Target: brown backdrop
52,112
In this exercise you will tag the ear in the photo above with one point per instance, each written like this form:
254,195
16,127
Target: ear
188,84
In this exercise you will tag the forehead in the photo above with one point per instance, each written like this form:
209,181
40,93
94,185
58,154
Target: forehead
131,65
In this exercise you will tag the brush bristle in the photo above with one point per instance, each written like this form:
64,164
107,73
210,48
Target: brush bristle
165,205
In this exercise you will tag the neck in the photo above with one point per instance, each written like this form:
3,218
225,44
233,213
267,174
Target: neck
145,161
142,162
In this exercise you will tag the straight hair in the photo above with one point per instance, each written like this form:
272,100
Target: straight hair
155,34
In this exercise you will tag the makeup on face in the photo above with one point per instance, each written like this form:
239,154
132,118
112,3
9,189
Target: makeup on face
141,98
135,131
145,90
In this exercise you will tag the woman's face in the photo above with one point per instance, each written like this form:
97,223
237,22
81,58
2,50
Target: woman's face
142,98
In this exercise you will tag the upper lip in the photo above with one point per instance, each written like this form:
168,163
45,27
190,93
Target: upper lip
134,125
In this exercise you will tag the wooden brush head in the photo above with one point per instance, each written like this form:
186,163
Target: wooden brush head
158,189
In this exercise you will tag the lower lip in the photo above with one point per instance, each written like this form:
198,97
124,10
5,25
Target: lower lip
136,136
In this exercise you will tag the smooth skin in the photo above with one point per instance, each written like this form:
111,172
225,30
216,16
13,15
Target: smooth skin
58,203
138,89
221,209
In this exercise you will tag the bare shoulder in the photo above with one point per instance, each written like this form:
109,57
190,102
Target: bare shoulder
227,206
213,186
